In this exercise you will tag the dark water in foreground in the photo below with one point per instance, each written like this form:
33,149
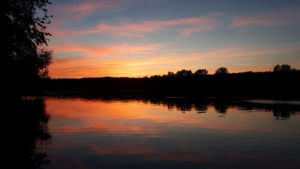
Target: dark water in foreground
174,133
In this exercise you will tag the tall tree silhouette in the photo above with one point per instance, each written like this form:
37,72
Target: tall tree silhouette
23,36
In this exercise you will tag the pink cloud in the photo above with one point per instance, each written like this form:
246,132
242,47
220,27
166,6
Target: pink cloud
186,26
99,51
78,11
281,17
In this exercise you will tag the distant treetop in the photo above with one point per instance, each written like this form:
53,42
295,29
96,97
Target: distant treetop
201,72
221,71
184,73
283,68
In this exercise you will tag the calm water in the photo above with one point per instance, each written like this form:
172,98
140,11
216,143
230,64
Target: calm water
88,134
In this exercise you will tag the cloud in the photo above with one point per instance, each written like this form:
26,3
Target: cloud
186,26
99,51
242,52
281,17
190,25
86,7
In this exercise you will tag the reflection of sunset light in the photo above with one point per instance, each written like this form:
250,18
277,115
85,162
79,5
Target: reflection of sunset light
150,153
136,117
141,131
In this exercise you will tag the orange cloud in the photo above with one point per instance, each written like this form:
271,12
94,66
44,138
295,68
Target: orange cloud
81,68
281,17
188,26
85,49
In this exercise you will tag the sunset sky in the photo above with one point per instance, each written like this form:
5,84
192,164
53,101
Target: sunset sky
136,38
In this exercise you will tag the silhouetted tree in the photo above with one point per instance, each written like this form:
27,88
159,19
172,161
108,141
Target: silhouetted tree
282,68
184,73
201,72
221,71
22,37
171,74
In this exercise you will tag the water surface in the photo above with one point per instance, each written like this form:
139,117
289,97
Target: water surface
135,133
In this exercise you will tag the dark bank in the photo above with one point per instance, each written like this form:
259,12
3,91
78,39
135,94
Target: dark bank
279,84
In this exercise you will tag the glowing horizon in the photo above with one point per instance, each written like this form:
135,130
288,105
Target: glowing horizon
130,38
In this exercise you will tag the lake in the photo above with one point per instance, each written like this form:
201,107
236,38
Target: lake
90,133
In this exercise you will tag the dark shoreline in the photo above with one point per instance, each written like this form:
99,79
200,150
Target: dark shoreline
265,85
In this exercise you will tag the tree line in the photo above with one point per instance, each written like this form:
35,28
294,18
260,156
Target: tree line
220,71
280,83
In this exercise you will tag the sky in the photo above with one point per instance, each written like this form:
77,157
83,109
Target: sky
137,38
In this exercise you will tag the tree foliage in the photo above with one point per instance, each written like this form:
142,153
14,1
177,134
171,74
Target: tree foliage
184,73
201,72
23,37
282,68
222,71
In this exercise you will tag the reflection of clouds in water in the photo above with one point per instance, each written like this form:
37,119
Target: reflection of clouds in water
150,118
116,133
183,104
